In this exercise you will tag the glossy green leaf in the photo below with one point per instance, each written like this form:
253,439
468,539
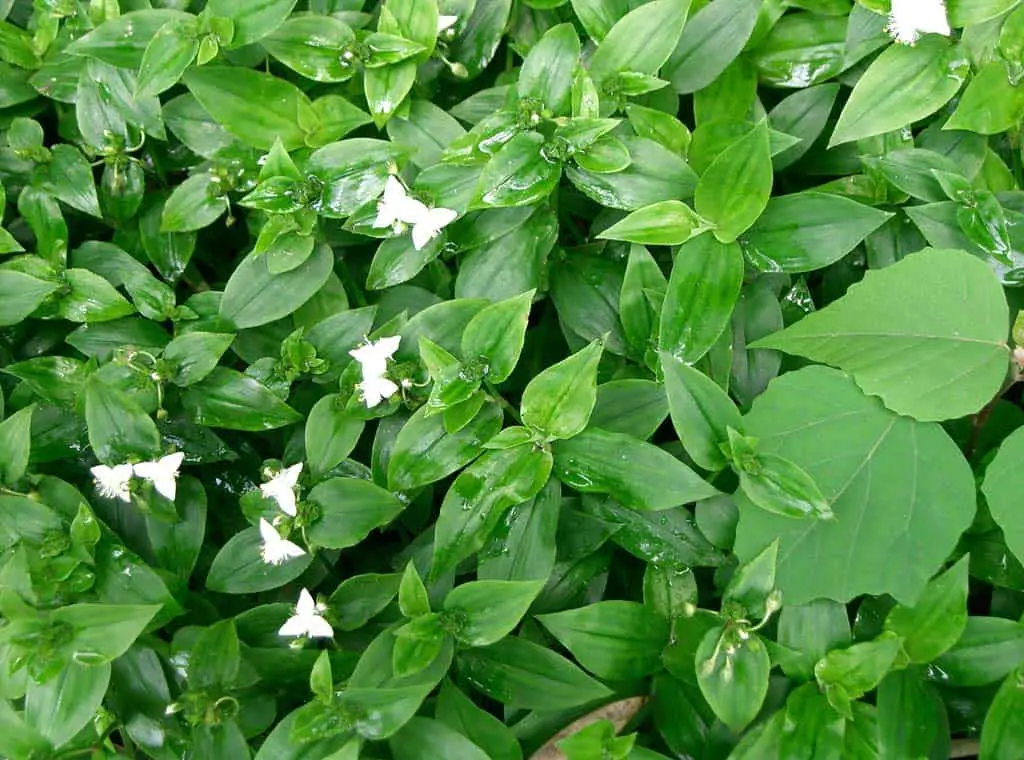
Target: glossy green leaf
192,205
518,673
989,649
1003,730
20,295
640,41
228,399
118,427
809,231
64,705
425,739
735,188
904,84
665,223
1001,487
638,474
480,496
15,444
487,611
710,42
519,174
912,720
732,672
547,71
702,291
701,412
937,621
254,296
558,401
239,567
349,509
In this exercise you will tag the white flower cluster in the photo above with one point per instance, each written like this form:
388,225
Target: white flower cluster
280,488
373,360
396,209
113,482
909,19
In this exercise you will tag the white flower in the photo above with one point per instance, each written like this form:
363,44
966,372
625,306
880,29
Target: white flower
276,549
444,23
909,19
375,389
163,473
281,488
373,360
307,620
430,224
373,357
396,208
112,482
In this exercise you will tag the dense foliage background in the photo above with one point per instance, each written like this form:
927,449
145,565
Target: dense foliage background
412,379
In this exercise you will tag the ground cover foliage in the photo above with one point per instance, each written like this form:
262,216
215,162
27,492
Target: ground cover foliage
412,379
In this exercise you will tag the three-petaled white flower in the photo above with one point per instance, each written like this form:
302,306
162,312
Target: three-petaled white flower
162,473
909,19
112,482
281,488
396,208
373,360
277,550
307,620
444,23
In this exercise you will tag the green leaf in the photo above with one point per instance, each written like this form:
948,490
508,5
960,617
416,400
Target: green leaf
254,296
663,128
215,657
1002,488
732,672
312,46
519,174
701,412
640,41
637,313
811,630
936,622
424,452
547,71
425,739
176,546
425,132
654,174
413,600
519,673
735,188
482,612
804,115
638,474
170,52
238,568
119,429
330,435
194,355
1003,730
64,705
353,173
613,640
20,295
252,19
256,108
992,102
969,12
670,591
498,333
897,331
912,719
702,292
458,712
848,674
228,399
91,298
808,231
386,88
903,85
104,632
350,508
480,496
813,728
559,400
361,597
668,537
478,39
711,40
989,649
523,546
122,41
193,204
69,178
753,583
665,223
804,417
43,215
15,444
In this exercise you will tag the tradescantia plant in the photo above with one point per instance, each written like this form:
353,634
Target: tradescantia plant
465,379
